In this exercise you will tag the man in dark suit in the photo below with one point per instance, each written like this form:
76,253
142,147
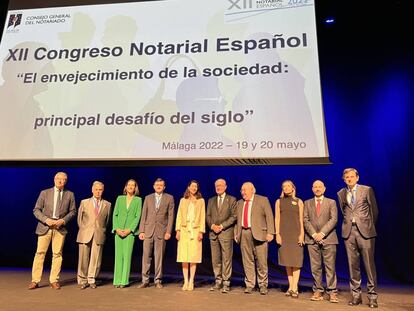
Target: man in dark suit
155,229
54,208
221,218
360,213
255,228
320,219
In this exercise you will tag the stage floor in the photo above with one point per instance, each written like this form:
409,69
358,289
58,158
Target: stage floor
15,296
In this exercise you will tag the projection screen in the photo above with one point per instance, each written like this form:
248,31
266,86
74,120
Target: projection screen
175,80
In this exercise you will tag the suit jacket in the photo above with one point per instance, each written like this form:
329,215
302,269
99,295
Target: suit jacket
364,211
262,221
44,209
155,221
91,226
325,222
199,215
225,216
127,218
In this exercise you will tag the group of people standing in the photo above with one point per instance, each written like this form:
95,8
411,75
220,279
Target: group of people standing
248,221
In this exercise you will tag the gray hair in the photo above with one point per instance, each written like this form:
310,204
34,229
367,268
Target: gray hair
248,183
97,182
61,173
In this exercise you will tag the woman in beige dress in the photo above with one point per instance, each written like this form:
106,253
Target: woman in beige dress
189,227
290,234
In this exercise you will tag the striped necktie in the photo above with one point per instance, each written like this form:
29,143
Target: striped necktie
96,208
220,202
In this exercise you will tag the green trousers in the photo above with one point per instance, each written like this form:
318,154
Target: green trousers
123,255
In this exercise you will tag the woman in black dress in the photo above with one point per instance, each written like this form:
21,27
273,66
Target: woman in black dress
290,234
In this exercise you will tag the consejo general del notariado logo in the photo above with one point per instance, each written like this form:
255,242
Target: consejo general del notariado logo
14,21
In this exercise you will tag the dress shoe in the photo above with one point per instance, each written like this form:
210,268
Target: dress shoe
215,287
83,286
248,290
317,296
158,285
55,285
333,297
355,301
225,289
263,290
33,285
373,303
93,286
143,285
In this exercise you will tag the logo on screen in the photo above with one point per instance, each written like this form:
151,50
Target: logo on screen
238,10
14,20
240,4
264,4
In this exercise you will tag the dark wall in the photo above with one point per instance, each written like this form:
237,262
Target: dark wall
367,84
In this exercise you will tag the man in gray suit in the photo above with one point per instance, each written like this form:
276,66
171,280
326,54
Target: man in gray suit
320,219
255,228
360,213
155,229
93,217
221,218
54,208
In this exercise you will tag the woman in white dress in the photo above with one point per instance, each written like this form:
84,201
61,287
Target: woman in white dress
189,227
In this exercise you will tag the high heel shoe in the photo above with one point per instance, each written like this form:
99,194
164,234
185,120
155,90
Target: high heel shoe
185,286
191,286
289,293
295,294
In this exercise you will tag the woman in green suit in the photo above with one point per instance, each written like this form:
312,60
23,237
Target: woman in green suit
127,213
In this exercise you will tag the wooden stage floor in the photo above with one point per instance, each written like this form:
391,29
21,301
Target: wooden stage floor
15,296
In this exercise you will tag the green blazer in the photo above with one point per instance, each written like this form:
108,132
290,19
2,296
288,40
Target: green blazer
124,218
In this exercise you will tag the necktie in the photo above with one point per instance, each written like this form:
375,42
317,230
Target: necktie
352,197
96,208
157,202
56,212
220,203
246,215
318,207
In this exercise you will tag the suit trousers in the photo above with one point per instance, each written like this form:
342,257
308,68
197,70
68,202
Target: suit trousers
254,251
153,247
320,254
43,242
89,263
123,255
356,246
221,259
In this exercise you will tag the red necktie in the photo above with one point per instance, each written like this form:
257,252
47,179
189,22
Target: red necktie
318,207
96,208
246,215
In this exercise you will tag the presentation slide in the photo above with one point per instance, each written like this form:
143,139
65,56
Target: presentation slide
162,80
